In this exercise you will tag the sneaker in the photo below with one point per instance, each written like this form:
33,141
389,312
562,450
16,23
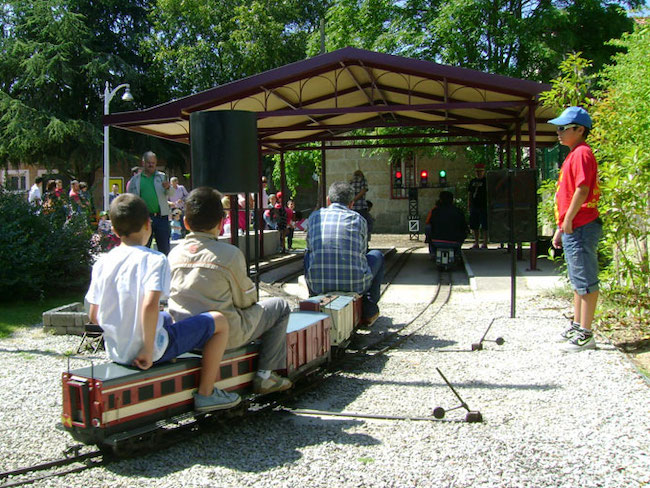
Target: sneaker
368,321
568,334
219,400
271,384
580,342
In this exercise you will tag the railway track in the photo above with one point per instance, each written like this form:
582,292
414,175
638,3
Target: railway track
84,461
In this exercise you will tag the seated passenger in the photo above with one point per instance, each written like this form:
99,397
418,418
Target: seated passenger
446,222
336,258
124,295
211,275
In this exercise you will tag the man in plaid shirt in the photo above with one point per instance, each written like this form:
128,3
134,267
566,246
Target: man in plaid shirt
336,258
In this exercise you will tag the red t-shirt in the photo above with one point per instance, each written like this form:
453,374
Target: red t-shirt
579,168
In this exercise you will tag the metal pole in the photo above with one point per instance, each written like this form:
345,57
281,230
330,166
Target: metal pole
107,100
513,256
108,96
532,129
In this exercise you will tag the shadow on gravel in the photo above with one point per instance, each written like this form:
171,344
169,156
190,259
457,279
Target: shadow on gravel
253,445
36,352
418,342
361,384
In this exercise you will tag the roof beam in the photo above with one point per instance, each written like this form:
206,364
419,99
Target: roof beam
392,108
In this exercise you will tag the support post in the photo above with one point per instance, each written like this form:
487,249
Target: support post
323,175
532,144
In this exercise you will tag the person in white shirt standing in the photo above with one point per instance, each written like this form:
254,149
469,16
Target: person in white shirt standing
35,197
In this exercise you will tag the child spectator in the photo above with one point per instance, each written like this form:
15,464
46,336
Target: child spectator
175,225
282,221
124,295
291,207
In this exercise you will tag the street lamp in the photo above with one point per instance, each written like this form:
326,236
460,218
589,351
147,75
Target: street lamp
108,96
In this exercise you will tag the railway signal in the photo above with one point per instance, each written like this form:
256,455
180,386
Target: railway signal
424,178
442,177
398,179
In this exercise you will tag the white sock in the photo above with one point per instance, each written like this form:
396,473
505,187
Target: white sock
265,374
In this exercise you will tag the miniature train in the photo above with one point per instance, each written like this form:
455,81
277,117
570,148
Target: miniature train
111,404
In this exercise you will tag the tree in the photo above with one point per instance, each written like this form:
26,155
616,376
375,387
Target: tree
621,138
205,43
55,56
522,38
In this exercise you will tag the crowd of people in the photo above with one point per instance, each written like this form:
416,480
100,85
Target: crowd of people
53,197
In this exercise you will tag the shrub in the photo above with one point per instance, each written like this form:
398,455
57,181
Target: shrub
40,253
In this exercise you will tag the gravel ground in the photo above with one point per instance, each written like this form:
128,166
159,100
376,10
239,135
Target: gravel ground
550,419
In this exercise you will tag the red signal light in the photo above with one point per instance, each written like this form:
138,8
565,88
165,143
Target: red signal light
398,179
424,177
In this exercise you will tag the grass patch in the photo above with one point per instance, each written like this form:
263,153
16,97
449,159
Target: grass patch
299,243
27,313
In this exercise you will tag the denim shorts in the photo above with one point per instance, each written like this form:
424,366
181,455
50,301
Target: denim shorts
186,335
580,253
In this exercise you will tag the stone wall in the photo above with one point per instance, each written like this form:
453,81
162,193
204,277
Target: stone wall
68,319
391,215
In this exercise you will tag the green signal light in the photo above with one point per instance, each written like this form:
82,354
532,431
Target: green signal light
442,173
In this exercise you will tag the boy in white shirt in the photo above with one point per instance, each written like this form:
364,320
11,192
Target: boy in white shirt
124,295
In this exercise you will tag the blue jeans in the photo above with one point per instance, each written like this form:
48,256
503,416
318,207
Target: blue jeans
580,254
376,262
160,231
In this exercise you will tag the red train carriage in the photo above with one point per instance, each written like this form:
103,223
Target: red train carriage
110,403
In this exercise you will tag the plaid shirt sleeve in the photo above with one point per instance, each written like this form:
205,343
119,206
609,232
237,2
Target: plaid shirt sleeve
336,259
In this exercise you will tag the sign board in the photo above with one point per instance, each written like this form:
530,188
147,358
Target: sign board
116,180
414,226
512,191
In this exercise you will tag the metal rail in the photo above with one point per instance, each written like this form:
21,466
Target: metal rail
86,458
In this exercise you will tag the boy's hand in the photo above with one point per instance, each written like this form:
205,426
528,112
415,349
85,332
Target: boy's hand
557,239
144,359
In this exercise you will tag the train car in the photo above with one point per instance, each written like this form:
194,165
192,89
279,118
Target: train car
109,404
447,254
344,310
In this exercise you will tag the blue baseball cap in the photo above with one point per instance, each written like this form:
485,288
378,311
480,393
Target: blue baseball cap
573,115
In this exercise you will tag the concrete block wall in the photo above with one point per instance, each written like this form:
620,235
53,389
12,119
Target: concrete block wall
68,319
391,215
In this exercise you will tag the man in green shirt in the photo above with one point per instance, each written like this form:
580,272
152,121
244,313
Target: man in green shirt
153,187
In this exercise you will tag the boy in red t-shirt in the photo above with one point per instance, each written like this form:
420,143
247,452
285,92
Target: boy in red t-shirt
578,224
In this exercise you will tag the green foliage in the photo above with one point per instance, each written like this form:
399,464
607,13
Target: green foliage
39,252
510,37
546,206
571,88
203,43
621,139
300,167
55,56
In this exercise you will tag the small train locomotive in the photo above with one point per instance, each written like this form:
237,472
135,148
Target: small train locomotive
110,404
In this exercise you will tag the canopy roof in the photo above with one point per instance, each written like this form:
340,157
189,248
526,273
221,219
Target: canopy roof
318,99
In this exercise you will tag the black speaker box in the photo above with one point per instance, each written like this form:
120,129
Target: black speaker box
524,204
224,150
